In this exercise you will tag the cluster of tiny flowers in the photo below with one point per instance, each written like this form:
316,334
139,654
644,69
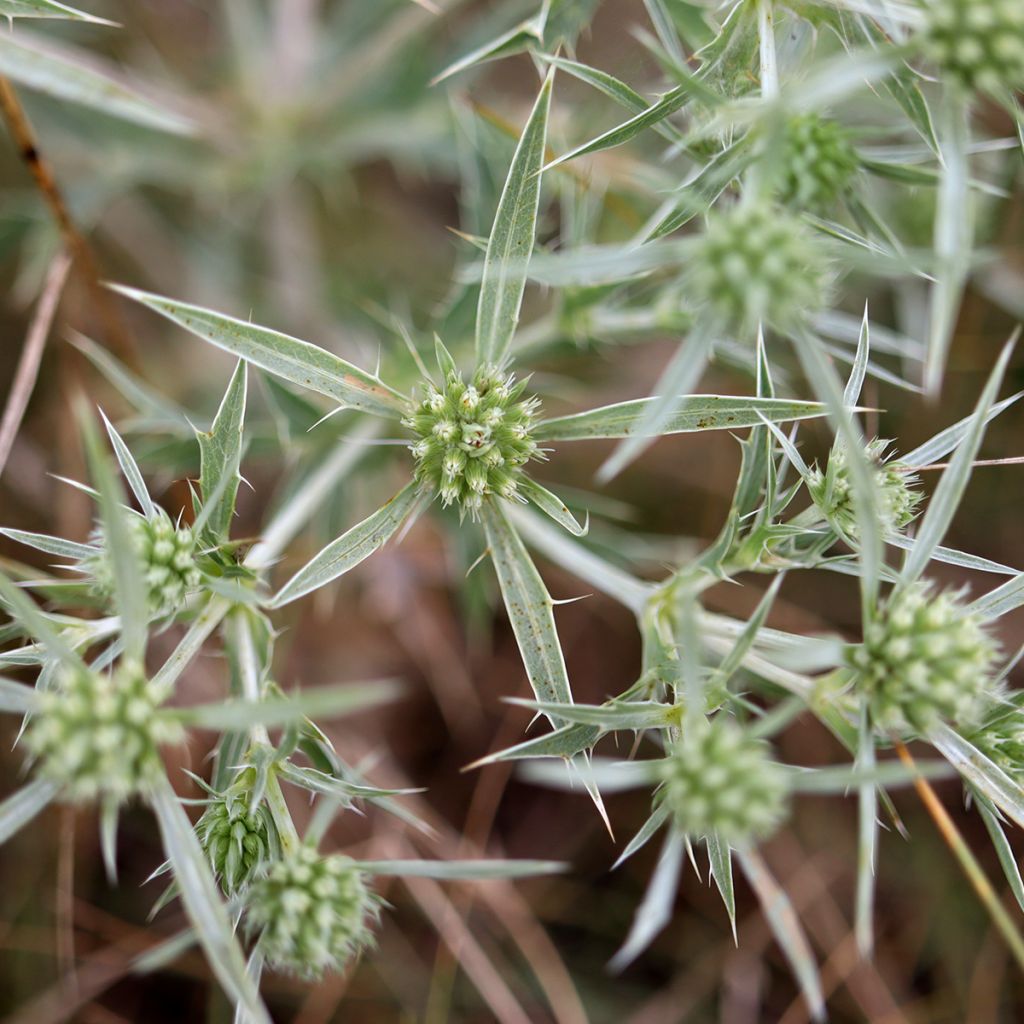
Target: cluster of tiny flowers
312,913
1001,736
925,659
98,735
473,439
167,555
818,162
978,43
757,263
895,495
236,839
719,779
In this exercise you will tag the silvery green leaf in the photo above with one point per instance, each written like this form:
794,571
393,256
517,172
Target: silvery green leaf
66,74
48,9
720,859
843,778
953,557
748,636
979,771
855,382
203,902
867,836
461,870
512,238
352,547
682,374
655,910
998,602
323,702
52,545
949,439
220,455
1007,858
529,608
329,785
23,805
16,698
523,36
551,505
613,88
624,714
130,468
953,231
294,360
694,412
658,818
566,742
606,775
786,928
119,550
202,626
950,489
36,623
109,814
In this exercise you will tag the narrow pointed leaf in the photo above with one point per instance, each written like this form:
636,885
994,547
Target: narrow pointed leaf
352,547
294,360
695,412
52,545
65,75
16,698
564,742
658,818
35,622
21,807
220,455
512,238
996,603
1007,859
529,608
949,439
130,468
951,486
720,859
47,9
551,505
462,870
203,902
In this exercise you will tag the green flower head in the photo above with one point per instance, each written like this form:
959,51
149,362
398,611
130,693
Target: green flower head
1001,735
756,263
818,162
99,735
717,778
473,440
925,658
977,43
237,839
896,498
167,554
312,913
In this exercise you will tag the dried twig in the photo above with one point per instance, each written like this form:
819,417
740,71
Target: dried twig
32,353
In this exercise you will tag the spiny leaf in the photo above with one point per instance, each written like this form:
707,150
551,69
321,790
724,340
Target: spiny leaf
512,238
461,870
352,547
288,357
220,454
47,9
551,505
22,806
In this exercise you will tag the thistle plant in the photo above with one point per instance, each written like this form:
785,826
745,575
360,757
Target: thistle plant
749,218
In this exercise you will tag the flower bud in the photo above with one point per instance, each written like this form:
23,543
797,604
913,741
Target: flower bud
818,162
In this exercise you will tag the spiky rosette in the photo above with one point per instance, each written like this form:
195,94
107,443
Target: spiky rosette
896,498
473,439
757,263
925,658
717,778
167,554
976,43
99,735
312,913
237,839
818,162
1001,734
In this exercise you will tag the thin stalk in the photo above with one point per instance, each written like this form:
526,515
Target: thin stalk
971,868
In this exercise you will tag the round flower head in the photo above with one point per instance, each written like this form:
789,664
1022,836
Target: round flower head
473,439
167,555
1001,735
717,778
977,43
99,735
312,913
925,659
237,840
818,162
757,263
895,496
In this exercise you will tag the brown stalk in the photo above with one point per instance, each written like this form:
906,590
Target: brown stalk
25,140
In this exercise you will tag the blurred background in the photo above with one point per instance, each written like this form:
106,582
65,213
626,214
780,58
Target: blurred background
320,198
